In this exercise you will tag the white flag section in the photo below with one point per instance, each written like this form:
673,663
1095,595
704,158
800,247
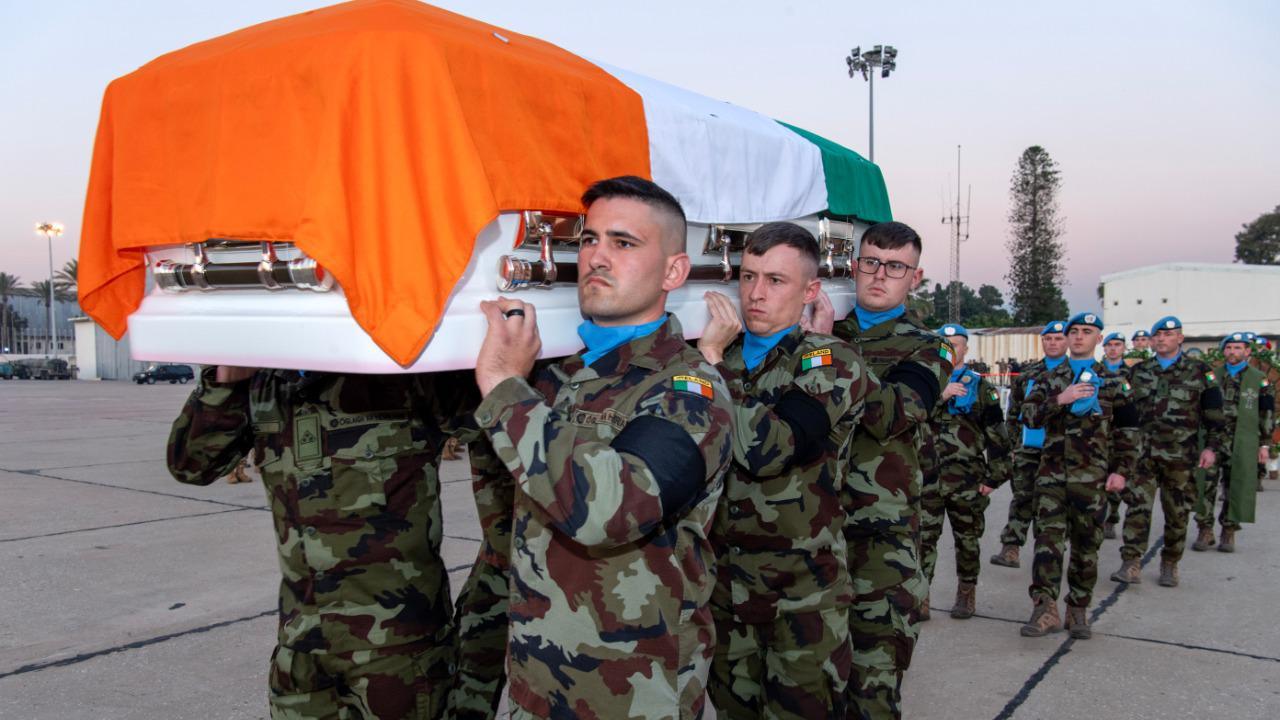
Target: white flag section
726,164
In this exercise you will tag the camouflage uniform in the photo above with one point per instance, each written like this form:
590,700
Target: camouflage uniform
481,614
349,464
618,467
1080,452
1113,499
973,450
1026,462
782,594
1221,473
1174,404
883,503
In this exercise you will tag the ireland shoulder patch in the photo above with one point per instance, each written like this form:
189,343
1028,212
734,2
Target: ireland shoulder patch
695,385
1210,377
945,351
817,358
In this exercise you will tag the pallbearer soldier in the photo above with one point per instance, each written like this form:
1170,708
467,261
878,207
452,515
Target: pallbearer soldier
1250,409
617,455
1113,361
884,475
350,466
1177,396
1027,443
1090,446
973,450
782,595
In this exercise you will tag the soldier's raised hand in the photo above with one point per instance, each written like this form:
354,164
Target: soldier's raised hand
722,329
1075,392
230,374
954,389
511,343
822,317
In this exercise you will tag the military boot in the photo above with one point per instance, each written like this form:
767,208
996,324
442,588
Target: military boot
1228,543
924,610
1168,573
1044,619
1078,623
966,601
1204,540
1007,557
1109,530
1130,572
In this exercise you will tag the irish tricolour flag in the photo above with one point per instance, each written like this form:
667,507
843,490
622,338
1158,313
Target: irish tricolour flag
817,358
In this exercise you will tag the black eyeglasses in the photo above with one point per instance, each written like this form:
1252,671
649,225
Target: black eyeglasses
893,268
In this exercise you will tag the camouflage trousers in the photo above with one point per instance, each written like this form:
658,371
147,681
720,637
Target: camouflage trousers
794,667
1022,508
1210,498
883,622
1113,508
956,497
1068,512
482,622
401,683
1177,489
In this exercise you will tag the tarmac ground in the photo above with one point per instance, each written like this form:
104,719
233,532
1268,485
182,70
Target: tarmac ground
128,595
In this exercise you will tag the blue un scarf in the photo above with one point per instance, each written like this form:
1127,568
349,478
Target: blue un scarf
600,340
756,347
868,319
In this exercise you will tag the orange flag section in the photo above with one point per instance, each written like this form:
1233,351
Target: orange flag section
379,135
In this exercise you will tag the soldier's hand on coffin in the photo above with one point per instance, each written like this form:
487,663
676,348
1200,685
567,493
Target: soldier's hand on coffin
1264,455
511,343
1115,483
231,374
1207,459
986,490
822,315
722,329
954,389
1075,392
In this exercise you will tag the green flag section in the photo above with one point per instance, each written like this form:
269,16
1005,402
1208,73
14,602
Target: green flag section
855,186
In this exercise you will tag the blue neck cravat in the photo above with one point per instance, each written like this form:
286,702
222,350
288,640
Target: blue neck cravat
600,340
1164,364
1053,363
1113,368
1238,368
868,319
756,347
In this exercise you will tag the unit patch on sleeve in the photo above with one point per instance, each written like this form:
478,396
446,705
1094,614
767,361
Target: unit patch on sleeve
695,385
817,358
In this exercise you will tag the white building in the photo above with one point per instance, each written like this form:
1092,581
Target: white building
1211,299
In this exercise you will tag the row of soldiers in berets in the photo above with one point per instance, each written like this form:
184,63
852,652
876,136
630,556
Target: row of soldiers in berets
741,521
1080,437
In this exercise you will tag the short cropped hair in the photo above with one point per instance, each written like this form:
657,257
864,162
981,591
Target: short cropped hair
770,235
645,191
891,236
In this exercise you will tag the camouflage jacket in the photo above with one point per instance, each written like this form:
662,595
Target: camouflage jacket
618,467
350,467
1086,448
779,532
1174,404
884,481
973,444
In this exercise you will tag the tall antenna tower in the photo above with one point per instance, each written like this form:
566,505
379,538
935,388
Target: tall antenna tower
959,233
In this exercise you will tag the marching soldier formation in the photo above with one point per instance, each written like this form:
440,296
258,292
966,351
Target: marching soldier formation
750,522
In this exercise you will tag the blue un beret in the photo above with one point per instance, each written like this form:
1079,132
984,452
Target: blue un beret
1140,333
953,330
1112,336
1236,337
1086,318
1168,322
1056,327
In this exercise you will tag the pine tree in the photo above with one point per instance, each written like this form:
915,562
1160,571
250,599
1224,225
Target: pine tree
1037,256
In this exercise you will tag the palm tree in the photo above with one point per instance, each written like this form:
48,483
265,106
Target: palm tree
10,286
65,279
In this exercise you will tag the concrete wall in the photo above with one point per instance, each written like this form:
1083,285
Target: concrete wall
1212,300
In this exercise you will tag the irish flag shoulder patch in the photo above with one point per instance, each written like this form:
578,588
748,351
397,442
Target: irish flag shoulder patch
817,358
1210,377
945,351
695,385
